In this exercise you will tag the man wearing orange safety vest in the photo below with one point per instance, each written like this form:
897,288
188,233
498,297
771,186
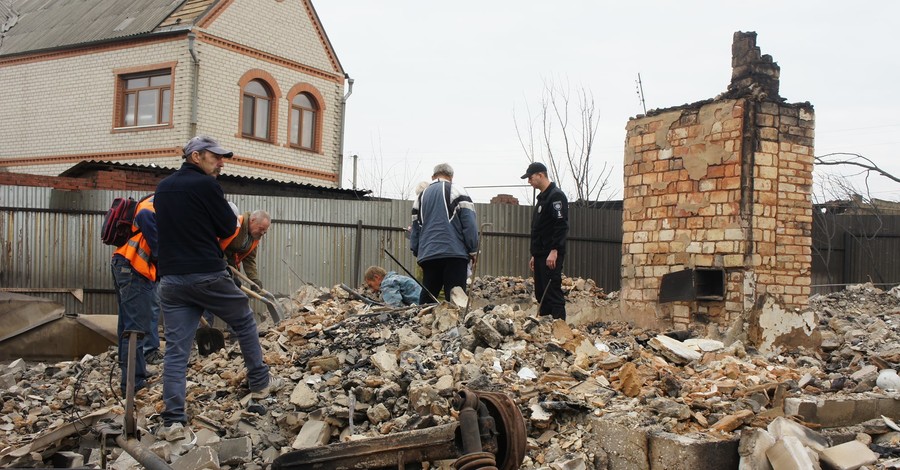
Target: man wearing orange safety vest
240,248
134,271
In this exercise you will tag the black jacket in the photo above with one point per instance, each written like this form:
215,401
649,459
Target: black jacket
191,215
550,222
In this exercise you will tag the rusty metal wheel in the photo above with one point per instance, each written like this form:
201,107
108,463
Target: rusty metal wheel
512,439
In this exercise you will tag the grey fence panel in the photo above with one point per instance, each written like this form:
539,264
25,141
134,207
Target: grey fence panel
854,248
50,241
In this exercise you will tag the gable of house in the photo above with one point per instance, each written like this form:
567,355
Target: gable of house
287,29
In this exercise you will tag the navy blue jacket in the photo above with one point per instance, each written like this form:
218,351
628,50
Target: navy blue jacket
550,222
191,215
443,223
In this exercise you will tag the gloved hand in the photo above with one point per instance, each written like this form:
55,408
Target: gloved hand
255,288
236,281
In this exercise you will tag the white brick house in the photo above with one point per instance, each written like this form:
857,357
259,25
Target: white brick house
132,81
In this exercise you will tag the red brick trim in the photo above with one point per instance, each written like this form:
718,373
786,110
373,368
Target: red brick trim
257,54
323,38
68,53
102,156
279,168
214,13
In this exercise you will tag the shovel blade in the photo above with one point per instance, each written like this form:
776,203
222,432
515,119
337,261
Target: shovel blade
274,311
209,340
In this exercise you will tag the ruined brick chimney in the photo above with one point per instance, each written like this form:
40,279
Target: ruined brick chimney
718,209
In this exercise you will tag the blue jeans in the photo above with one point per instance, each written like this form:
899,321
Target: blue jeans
137,298
183,298
151,340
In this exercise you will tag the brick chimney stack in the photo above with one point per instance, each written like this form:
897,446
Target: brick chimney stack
752,73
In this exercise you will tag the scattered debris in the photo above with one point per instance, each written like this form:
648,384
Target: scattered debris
359,370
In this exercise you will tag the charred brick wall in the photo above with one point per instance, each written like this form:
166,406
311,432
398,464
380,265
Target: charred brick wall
722,184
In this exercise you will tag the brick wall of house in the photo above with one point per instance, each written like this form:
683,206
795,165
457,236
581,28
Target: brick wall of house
719,184
63,106
221,71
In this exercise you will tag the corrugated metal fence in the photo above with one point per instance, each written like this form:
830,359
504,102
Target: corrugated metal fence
51,245
854,248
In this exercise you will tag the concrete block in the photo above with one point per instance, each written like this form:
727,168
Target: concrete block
789,454
678,452
848,456
781,427
889,407
836,413
234,451
198,458
626,447
313,433
752,449
806,409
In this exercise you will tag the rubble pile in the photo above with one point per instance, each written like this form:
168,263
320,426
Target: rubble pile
353,370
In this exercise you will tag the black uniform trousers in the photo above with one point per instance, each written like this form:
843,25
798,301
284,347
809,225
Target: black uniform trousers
548,287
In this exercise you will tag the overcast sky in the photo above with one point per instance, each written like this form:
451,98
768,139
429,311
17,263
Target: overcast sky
444,81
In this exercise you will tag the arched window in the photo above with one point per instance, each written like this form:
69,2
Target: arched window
306,118
256,118
303,121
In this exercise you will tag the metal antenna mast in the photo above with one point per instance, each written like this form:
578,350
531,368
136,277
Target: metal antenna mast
640,92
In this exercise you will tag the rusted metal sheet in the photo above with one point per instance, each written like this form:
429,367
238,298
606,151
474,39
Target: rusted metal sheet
30,325
491,431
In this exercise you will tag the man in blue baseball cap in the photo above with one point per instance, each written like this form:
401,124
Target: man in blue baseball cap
192,215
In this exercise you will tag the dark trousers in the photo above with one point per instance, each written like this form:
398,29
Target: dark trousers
548,287
445,273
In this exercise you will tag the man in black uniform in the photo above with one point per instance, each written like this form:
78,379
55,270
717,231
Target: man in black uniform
549,227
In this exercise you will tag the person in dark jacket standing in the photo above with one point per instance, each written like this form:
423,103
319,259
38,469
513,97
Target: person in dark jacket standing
444,234
549,228
192,215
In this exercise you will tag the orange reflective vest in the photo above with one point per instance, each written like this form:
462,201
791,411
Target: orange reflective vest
223,243
136,250
238,257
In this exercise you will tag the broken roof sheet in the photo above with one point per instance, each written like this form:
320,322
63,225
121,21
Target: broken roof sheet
35,25
235,183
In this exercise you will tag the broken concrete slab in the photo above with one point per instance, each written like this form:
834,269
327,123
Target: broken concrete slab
233,451
752,449
198,458
848,456
673,349
670,451
313,433
782,427
788,453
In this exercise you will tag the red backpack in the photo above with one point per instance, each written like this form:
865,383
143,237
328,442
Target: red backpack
119,218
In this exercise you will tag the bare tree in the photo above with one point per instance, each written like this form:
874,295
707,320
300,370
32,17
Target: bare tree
844,211
385,180
562,135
